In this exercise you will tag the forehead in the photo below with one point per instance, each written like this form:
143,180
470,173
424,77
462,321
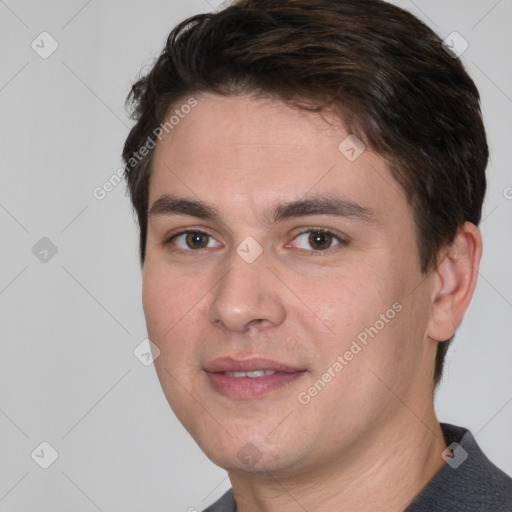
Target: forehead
239,150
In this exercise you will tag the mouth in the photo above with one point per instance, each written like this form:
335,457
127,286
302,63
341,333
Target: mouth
249,378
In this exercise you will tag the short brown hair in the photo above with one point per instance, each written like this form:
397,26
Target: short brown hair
383,70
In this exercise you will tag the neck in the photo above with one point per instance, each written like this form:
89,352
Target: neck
386,472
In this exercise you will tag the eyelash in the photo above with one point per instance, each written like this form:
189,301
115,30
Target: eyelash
342,241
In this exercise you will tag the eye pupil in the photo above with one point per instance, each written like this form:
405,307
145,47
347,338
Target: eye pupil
320,239
194,238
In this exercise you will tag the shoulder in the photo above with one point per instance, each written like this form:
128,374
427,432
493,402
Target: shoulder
226,503
468,481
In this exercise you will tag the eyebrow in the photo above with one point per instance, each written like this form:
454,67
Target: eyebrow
167,205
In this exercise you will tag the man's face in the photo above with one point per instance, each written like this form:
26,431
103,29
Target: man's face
289,290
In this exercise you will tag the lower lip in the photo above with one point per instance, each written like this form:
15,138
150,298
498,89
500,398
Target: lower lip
247,387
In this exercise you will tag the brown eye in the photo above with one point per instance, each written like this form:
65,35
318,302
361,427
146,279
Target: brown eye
317,240
320,240
189,241
196,240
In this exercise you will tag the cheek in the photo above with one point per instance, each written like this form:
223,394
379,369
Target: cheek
171,308
368,318
158,302
349,302
170,302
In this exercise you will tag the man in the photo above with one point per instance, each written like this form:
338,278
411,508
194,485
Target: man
308,177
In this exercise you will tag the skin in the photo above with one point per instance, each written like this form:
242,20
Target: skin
369,440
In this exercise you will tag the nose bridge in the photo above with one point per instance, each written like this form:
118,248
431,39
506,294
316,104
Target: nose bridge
248,291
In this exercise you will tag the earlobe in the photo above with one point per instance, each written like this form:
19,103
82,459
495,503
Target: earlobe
457,275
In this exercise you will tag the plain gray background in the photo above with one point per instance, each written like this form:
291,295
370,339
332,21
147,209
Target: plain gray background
70,323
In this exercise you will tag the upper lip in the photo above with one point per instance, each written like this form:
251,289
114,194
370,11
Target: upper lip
230,364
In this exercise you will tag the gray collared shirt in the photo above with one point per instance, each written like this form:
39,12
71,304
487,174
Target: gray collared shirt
468,482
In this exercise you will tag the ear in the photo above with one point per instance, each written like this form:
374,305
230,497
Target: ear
456,276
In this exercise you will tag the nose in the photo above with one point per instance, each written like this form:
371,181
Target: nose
247,296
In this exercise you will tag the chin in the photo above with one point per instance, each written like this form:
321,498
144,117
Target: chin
250,452
249,459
